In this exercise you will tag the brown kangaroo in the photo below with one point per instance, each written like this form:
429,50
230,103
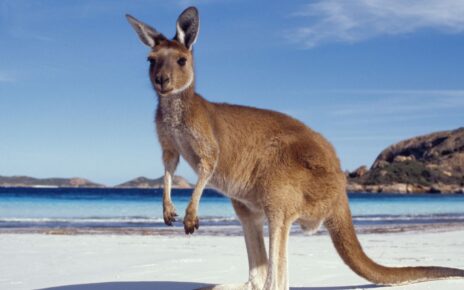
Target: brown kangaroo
270,165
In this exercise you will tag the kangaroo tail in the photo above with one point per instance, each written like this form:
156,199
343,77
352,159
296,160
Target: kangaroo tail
340,227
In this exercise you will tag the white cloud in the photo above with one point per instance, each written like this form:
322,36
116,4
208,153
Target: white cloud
357,20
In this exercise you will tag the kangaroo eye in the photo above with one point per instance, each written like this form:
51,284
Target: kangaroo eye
151,60
181,61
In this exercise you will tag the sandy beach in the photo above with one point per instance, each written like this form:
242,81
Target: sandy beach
50,261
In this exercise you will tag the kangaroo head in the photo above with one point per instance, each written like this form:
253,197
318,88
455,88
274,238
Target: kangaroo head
171,61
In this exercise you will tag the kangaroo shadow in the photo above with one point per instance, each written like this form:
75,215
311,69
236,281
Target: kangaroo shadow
171,285
347,287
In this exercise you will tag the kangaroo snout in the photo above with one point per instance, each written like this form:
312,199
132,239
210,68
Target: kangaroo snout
162,80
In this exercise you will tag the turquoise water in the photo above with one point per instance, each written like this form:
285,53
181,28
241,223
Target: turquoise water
41,207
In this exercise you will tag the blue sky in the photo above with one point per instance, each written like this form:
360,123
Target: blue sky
75,97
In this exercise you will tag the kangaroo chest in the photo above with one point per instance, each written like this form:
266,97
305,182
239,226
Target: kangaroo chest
173,122
172,113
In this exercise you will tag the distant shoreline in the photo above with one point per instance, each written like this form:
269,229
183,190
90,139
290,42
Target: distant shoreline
351,189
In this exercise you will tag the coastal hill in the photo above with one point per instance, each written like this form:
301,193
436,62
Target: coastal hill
143,182
430,163
26,181
139,182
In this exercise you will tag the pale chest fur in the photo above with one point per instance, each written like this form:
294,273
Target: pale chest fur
172,112
173,125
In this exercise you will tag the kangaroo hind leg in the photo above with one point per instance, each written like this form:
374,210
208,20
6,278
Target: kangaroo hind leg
252,222
279,230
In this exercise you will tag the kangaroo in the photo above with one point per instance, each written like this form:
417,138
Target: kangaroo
271,166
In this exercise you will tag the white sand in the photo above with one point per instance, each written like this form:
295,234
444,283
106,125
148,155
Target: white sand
30,261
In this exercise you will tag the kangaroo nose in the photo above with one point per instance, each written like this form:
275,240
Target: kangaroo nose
161,80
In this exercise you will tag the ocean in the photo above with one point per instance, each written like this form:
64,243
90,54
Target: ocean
140,210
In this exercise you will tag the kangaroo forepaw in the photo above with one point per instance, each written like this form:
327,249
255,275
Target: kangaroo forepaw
191,223
169,214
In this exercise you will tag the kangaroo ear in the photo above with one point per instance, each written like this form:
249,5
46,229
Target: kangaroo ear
188,25
147,34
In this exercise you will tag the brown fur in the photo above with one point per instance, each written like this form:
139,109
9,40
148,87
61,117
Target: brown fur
272,167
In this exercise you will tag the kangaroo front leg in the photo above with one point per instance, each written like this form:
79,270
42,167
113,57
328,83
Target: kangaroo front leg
170,160
191,221
205,148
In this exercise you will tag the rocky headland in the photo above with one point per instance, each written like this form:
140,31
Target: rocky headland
432,163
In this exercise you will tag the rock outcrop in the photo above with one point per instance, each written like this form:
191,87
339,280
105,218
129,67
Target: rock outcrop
430,163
